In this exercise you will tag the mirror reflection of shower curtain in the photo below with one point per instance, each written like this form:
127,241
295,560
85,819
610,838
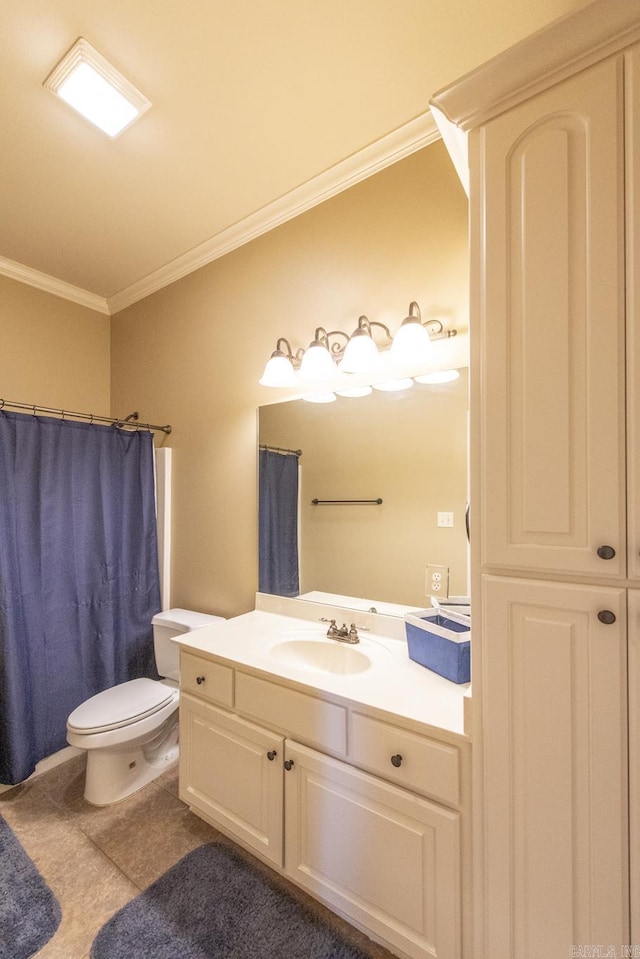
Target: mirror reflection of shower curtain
278,523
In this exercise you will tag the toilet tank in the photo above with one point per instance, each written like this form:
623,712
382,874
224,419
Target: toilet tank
170,623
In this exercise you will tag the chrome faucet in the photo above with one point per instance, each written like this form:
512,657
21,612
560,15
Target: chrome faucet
342,634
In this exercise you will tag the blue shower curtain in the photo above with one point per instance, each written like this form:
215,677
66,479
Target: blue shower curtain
79,578
278,524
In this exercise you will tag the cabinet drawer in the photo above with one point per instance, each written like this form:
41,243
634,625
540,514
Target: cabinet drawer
426,765
207,680
311,720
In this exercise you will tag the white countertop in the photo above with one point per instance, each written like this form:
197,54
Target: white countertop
393,683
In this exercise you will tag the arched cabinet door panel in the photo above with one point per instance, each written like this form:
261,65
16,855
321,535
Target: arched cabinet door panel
552,330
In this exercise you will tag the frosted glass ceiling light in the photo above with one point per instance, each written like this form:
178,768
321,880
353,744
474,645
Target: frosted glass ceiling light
91,85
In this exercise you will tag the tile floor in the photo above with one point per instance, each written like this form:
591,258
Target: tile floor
96,860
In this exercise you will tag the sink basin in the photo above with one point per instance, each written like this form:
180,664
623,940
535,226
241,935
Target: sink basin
321,656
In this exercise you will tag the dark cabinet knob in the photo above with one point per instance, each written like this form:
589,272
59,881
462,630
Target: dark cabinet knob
607,617
606,552
200,680
288,763
396,760
271,755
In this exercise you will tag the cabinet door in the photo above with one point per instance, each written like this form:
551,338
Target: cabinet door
377,854
554,768
632,91
549,276
231,773
634,760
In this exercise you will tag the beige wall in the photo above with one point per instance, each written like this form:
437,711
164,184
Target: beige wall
52,352
192,353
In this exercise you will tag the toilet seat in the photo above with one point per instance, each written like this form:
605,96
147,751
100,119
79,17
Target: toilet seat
120,706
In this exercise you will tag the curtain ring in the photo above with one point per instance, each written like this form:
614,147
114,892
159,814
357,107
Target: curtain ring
34,409
91,420
1,404
62,411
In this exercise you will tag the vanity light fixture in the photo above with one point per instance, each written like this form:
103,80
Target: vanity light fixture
91,85
356,353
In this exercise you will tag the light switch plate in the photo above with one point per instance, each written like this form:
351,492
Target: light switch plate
445,519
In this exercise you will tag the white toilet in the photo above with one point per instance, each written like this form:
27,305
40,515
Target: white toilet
130,731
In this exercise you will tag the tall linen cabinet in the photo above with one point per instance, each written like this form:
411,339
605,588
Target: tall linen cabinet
554,136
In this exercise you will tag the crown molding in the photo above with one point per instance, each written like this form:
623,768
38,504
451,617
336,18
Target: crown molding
409,138
49,284
547,57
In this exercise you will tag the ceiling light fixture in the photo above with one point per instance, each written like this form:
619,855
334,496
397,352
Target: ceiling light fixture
91,85
359,353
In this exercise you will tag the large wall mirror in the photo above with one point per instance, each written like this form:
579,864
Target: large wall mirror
408,449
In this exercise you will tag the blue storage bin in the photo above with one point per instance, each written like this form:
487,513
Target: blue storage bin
440,642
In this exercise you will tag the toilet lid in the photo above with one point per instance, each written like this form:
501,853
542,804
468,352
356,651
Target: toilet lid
121,705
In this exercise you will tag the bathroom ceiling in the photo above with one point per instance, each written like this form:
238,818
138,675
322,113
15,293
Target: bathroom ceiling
251,99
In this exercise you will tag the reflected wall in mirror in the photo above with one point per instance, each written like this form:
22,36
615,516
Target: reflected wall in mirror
410,450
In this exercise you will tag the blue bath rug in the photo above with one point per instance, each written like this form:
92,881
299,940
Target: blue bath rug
29,912
214,905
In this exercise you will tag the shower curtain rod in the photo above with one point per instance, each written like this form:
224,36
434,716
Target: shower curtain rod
127,421
280,449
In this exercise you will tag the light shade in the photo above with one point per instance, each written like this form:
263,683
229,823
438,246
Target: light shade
411,343
317,363
360,354
278,371
91,85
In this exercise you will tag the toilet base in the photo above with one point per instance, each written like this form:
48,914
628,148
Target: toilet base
112,776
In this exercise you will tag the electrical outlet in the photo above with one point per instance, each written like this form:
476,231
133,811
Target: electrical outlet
438,581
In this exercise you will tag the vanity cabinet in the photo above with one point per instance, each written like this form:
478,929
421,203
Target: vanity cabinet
367,816
231,772
380,855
